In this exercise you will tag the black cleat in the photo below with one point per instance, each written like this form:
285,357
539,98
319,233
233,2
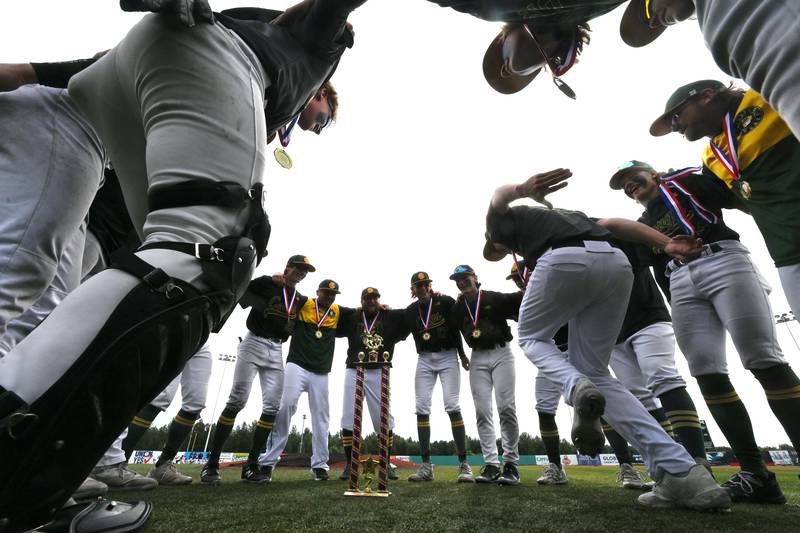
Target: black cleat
489,474
252,474
510,475
266,470
320,474
209,475
587,431
345,475
750,488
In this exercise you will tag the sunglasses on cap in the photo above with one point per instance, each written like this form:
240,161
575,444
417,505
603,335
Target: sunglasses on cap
513,66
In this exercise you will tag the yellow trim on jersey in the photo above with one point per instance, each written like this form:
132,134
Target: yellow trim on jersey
766,134
308,314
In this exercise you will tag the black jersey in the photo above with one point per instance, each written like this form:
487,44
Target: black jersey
491,329
299,50
109,221
59,73
538,12
390,327
441,334
270,316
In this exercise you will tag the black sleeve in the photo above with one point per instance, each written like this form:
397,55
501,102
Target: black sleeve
346,323
398,317
255,291
58,74
324,21
508,303
713,189
251,13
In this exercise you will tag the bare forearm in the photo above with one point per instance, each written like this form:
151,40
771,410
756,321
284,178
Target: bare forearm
630,230
14,75
503,196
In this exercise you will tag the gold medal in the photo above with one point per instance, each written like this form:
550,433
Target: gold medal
283,158
476,333
747,191
426,336
318,334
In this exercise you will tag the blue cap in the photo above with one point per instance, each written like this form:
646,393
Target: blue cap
462,269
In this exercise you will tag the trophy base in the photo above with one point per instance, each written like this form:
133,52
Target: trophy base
374,494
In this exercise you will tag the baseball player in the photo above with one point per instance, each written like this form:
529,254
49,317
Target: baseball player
372,329
763,170
273,314
583,279
718,290
307,368
439,348
757,42
481,317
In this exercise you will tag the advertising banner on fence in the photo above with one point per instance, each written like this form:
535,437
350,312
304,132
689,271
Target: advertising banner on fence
608,459
144,457
781,457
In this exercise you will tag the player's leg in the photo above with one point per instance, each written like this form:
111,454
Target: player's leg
271,375
449,369
295,382
194,389
320,422
348,413
547,395
480,383
504,378
424,381
112,469
790,281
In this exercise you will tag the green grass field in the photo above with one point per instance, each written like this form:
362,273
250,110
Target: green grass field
591,502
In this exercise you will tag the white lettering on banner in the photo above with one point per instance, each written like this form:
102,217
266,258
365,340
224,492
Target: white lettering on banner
780,457
608,459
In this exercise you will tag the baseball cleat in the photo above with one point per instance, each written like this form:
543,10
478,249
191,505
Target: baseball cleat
748,487
266,471
510,475
553,475
589,404
695,490
252,474
119,477
319,474
345,475
90,489
167,474
393,472
210,475
632,478
489,474
423,473
465,473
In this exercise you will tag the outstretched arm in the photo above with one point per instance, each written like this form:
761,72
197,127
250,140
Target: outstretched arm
536,187
678,247
14,75
186,10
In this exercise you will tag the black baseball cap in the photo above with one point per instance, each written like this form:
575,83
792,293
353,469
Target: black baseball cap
461,270
301,261
512,60
420,277
329,285
370,291
663,124
625,169
634,28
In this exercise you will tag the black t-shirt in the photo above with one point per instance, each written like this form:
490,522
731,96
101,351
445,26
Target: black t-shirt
58,74
443,335
495,310
389,329
299,52
268,317
711,193
530,231
109,220
539,12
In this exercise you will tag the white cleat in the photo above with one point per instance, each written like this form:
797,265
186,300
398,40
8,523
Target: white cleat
423,473
696,490
465,473
553,475
167,474
120,477
632,478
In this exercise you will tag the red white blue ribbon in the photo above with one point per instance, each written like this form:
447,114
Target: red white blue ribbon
731,163
316,309
427,319
285,132
524,273
368,328
668,188
289,304
476,315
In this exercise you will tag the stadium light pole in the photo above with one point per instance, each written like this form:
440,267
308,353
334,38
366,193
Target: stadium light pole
302,433
785,318
225,358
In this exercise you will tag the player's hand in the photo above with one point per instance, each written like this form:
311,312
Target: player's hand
683,246
540,185
186,10
465,362
279,279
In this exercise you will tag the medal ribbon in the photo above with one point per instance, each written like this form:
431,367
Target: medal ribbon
669,184
427,319
475,316
288,304
368,328
285,132
316,309
526,274
731,163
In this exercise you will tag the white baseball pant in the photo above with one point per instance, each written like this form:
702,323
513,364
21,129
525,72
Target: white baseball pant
430,366
262,357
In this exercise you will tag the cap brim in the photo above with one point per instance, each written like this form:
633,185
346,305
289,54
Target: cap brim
617,179
490,253
634,28
492,68
511,276
308,266
421,281
663,124
454,276
335,291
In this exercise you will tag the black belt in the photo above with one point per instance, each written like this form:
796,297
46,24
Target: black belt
708,249
577,243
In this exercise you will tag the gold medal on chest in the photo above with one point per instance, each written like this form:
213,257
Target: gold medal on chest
747,191
476,333
318,334
426,336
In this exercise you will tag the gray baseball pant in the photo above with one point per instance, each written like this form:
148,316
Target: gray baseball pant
193,380
493,370
588,287
262,357
790,281
443,365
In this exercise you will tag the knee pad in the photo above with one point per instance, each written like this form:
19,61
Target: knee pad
50,447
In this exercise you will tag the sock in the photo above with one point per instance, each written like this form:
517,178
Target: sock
682,414
138,427
661,418
459,434
221,433
347,442
550,438
424,432
260,435
733,419
783,395
179,429
617,442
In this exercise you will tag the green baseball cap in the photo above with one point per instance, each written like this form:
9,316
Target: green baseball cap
420,277
626,169
634,28
302,262
663,124
329,285
370,291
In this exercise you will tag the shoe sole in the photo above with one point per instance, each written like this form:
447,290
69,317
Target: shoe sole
551,483
508,482
129,488
486,481
465,480
641,488
587,432
251,482
213,482
174,483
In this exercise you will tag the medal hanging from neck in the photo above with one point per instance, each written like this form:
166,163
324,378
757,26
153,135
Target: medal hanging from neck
559,65
524,274
371,326
318,333
288,304
426,335
285,135
668,188
476,333
731,160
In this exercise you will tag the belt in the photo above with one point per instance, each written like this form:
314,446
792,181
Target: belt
706,251
577,243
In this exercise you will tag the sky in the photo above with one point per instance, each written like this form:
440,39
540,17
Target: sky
402,181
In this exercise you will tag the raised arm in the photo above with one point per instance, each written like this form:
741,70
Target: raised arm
536,187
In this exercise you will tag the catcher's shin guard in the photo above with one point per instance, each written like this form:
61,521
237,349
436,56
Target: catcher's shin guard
48,448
